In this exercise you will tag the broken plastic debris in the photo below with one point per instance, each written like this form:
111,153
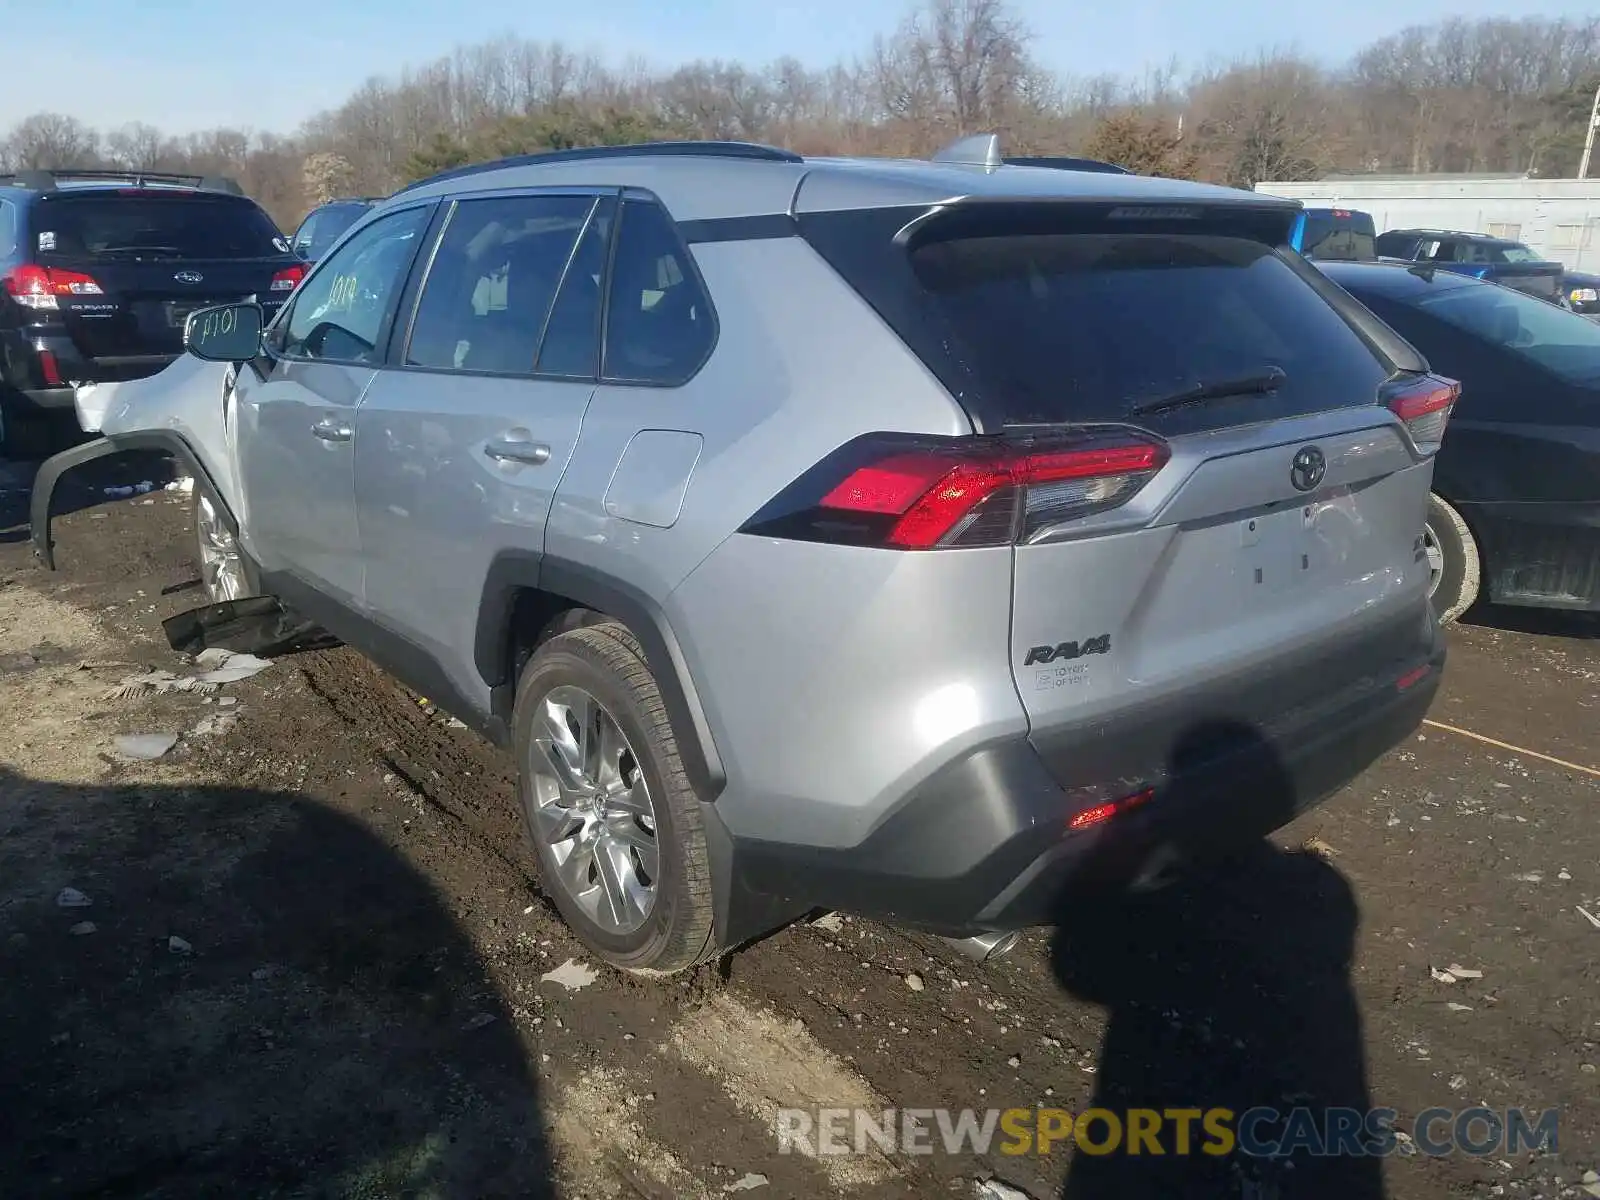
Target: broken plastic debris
226,666
135,687
1589,916
747,1183
71,897
184,485
831,922
145,745
1461,972
178,946
571,975
82,928
1441,976
993,1189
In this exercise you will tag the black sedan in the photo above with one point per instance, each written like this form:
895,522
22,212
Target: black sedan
1515,515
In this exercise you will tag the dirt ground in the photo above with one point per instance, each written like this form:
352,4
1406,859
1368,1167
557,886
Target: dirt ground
303,954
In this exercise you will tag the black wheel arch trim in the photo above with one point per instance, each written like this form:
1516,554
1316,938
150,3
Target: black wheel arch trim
53,468
514,571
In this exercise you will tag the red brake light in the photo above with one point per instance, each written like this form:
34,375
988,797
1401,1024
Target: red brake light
1424,407
37,287
937,493
287,279
1101,813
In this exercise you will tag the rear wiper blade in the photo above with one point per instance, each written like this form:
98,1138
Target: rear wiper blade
1269,379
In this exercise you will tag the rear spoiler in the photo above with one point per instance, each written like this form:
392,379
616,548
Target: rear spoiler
51,181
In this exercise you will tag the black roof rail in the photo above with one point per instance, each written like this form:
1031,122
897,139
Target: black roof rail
743,150
49,181
1061,163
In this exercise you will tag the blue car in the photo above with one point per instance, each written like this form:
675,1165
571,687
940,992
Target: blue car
1335,235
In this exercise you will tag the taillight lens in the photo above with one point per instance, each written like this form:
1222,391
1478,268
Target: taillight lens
287,279
1424,406
39,287
934,493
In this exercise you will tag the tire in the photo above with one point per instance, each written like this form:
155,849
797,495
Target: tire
675,929
1454,564
225,572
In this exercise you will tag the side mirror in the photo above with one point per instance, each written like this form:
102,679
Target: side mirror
224,332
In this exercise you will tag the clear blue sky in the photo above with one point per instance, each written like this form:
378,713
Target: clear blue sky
195,64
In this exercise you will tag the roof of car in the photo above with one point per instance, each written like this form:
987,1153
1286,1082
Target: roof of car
1486,238
1395,278
699,181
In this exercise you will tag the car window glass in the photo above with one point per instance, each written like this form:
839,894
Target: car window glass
659,325
571,343
1517,254
154,226
339,310
1560,341
306,232
332,221
8,229
492,282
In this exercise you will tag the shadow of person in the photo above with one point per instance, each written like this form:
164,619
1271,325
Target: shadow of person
269,1001
1228,988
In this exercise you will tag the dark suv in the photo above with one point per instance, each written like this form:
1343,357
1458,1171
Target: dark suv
100,269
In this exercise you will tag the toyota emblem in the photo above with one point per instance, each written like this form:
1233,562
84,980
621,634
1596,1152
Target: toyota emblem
1308,468
189,277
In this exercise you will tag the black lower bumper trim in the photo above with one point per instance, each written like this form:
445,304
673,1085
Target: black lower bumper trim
985,845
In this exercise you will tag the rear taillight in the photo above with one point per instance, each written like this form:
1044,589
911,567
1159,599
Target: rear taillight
909,493
38,287
1424,406
287,279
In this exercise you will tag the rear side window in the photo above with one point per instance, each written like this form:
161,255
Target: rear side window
154,226
659,323
1084,327
8,229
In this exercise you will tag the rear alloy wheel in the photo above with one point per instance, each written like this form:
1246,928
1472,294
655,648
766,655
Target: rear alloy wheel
223,570
1453,561
613,820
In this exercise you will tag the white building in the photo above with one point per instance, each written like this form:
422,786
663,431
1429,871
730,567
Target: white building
1558,218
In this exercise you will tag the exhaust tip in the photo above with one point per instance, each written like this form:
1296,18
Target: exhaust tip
985,946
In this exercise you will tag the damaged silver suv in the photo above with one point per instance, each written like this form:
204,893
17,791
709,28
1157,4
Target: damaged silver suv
934,540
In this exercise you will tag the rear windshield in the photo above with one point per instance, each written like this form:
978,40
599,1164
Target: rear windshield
1347,237
146,226
1516,253
1088,327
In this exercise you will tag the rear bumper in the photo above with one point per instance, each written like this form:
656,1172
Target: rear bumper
1541,555
985,844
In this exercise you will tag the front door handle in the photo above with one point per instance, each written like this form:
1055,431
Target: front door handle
330,430
517,450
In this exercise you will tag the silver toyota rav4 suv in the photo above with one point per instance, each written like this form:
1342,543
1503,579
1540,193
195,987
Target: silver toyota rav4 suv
941,541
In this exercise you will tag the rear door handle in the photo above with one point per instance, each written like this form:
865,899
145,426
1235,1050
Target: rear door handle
517,450
330,430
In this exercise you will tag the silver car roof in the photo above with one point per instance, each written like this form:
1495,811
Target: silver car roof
712,185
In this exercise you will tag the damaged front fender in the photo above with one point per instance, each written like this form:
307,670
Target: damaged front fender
181,411
52,469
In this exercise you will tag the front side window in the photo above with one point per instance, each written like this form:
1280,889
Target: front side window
493,281
340,312
659,323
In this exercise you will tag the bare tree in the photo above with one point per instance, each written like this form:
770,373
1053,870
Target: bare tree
48,139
